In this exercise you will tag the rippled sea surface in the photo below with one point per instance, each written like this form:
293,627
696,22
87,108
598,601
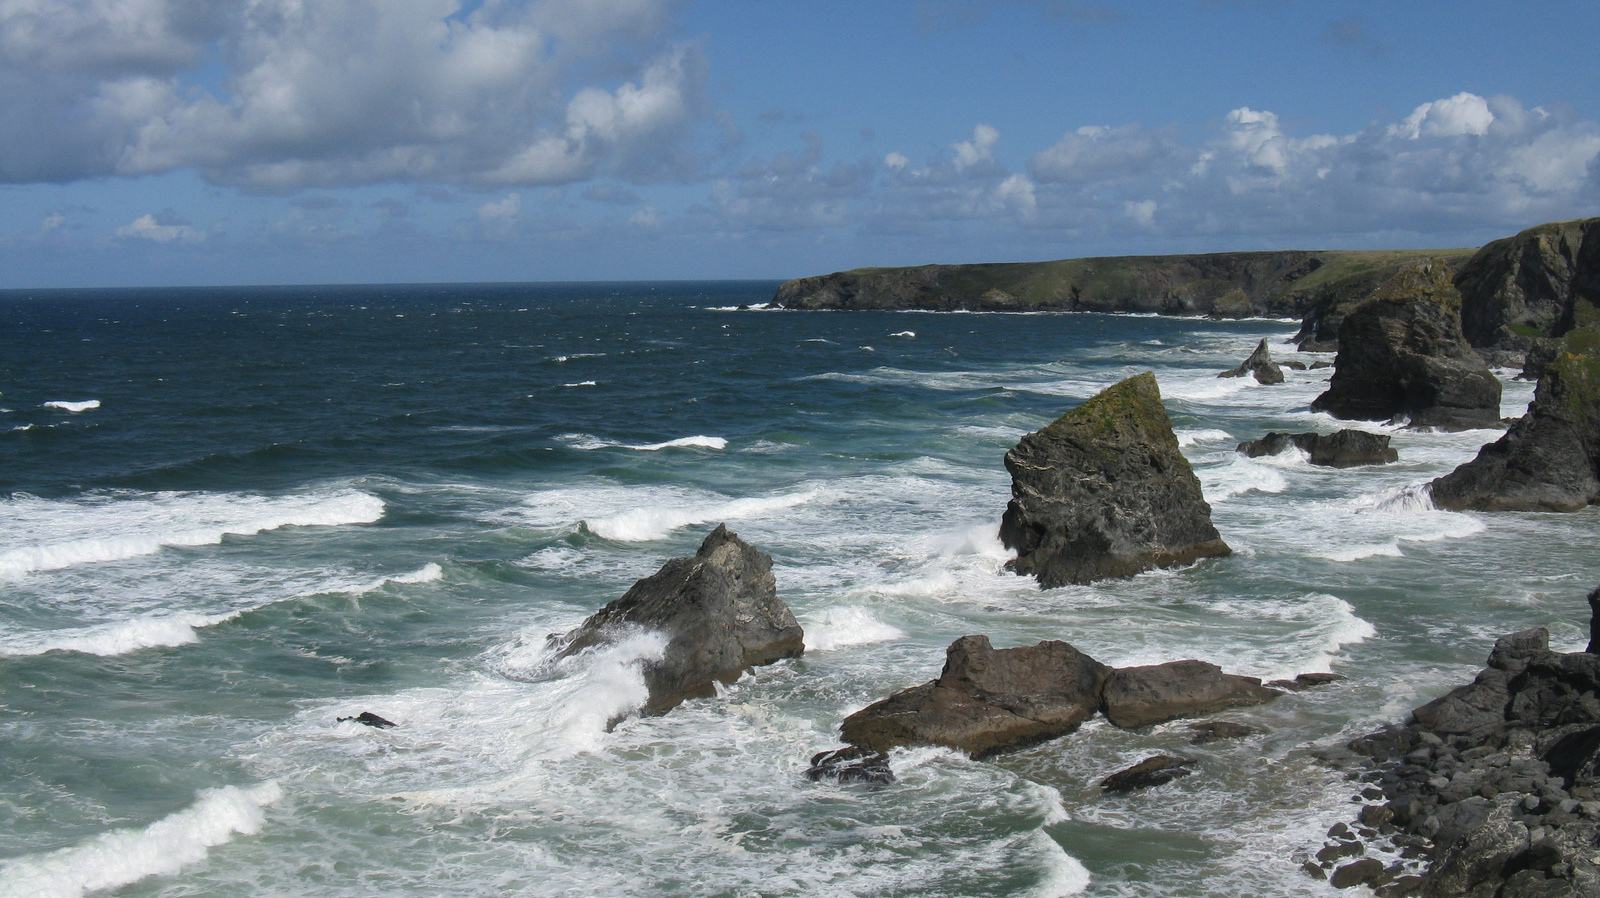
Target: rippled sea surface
229,517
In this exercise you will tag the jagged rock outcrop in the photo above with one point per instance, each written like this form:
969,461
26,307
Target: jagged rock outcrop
851,764
1491,789
1538,283
1140,696
1105,492
1259,364
719,612
1549,460
987,700
991,700
1401,354
1344,449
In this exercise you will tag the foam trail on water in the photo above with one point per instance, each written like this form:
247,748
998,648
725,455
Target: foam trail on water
587,442
74,407
121,857
1190,436
644,524
851,625
1063,874
119,638
1239,476
56,534
428,573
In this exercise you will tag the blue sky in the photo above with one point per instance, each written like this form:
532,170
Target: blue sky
326,141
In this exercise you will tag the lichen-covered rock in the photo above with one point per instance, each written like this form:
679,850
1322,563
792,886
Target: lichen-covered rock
1344,449
720,614
1259,364
1525,286
1105,492
986,700
1140,696
1401,354
1549,460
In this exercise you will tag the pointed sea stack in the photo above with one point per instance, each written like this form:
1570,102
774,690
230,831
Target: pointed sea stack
719,610
1104,492
1260,364
1401,354
1550,458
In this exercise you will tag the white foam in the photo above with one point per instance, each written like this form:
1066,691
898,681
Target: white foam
655,522
1063,874
581,383
118,638
74,407
850,625
47,535
125,856
587,442
1238,476
428,573
904,334
1190,436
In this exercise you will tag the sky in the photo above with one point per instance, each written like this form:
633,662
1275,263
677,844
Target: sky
209,142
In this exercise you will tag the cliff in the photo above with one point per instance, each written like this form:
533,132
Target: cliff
1288,284
1542,282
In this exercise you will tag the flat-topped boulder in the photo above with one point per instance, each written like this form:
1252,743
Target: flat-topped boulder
720,614
1260,365
1344,449
1402,355
1105,492
987,700
1156,693
1549,460
990,700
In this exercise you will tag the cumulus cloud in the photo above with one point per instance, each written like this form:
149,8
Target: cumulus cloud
148,227
343,92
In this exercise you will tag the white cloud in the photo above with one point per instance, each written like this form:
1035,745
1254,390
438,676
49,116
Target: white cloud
503,210
146,227
1455,116
896,161
343,92
1142,213
978,150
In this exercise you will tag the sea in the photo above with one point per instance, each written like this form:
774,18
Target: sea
230,517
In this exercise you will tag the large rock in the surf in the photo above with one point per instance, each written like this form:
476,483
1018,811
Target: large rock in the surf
1401,354
1140,696
1104,492
1549,460
1345,449
987,700
719,612
1259,364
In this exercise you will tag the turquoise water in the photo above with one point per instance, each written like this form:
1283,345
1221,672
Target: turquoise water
232,516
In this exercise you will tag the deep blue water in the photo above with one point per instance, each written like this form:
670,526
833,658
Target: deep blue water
229,516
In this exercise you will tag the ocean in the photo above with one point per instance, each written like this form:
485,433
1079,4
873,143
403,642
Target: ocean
230,516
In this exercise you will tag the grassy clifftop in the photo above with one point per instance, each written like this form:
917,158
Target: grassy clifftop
1227,285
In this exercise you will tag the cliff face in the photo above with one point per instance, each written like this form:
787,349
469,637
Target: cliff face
1539,283
1287,284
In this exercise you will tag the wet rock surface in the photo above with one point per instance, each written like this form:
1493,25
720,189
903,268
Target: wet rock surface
1402,355
720,614
1105,492
1489,790
851,764
1259,365
1154,771
1343,449
1549,460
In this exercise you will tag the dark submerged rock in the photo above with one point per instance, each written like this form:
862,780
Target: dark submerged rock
1305,681
851,764
1259,364
1140,696
719,611
1153,771
1217,730
1105,492
987,700
1402,354
1549,460
1344,449
367,718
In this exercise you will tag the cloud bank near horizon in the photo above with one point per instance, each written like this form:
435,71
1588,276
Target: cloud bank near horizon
592,120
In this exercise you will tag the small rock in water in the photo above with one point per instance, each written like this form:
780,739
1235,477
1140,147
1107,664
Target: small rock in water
851,764
1357,873
370,719
1154,771
1214,730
